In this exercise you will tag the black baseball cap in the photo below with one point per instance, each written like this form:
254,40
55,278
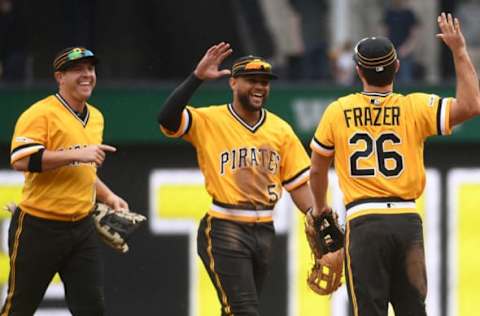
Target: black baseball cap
252,65
69,56
375,53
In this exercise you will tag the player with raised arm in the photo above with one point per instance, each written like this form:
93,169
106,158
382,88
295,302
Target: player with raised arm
375,139
247,155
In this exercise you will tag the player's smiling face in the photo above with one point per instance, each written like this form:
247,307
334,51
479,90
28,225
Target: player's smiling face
251,91
78,81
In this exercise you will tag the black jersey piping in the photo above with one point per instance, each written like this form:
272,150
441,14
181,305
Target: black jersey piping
189,122
323,145
288,181
376,94
439,116
253,128
25,146
69,108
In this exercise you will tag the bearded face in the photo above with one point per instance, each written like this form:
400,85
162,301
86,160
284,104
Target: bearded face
251,91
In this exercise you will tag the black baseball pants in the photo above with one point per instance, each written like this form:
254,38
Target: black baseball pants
38,249
385,263
237,257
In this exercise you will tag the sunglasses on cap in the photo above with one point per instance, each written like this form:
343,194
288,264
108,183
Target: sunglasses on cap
258,64
253,67
67,57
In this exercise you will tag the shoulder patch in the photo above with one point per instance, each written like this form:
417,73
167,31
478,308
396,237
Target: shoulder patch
21,139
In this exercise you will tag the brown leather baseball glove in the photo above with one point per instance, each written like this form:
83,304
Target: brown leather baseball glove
326,238
325,277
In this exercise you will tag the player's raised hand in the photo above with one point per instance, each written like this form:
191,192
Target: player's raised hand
207,68
451,34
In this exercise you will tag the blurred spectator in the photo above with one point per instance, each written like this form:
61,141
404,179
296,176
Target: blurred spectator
402,28
468,11
13,42
256,37
365,17
343,64
314,23
284,23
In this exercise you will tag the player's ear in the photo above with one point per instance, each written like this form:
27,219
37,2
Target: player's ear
397,65
58,75
232,82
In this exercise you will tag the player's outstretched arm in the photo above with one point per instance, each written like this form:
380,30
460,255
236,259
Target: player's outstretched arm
46,160
170,115
467,102
171,112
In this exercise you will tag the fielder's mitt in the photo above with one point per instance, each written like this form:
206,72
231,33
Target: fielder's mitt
116,226
325,277
326,238
324,234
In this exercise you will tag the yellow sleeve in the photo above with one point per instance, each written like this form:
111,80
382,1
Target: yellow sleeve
191,125
30,135
432,114
295,164
323,141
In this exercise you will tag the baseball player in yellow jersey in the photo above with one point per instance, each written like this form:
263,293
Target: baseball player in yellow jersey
376,138
58,144
247,155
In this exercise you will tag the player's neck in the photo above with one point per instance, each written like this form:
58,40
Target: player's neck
250,117
74,103
373,89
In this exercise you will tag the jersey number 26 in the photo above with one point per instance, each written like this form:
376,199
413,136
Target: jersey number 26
376,147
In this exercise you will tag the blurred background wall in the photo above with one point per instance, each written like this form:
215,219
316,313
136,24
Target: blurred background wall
162,40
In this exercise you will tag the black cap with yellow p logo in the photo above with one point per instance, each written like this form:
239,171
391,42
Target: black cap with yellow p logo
252,65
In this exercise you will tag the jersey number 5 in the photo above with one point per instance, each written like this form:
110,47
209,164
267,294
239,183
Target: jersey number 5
376,147
273,196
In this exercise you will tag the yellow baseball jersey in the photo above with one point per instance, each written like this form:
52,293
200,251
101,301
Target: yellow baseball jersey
245,167
66,193
377,143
